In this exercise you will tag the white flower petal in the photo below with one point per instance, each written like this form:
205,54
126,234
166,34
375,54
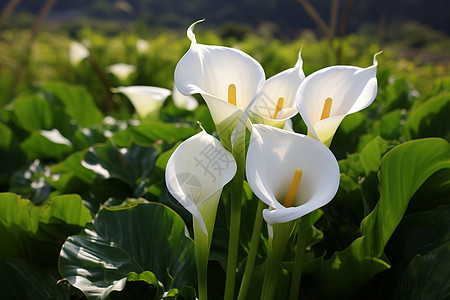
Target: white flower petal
350,88
209,70
146,100
121,70
197,171
274,155
142,46
285,85
182,101
77,52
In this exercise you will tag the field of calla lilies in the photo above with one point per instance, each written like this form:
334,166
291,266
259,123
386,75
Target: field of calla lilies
174,167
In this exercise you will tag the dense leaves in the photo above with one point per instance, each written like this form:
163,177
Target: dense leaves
132,238
70,174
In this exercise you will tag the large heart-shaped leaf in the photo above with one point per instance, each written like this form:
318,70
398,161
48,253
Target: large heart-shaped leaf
150,132
425,276
37,232
33,112
78,103
39,143
132,238
22,280
132,165
403,170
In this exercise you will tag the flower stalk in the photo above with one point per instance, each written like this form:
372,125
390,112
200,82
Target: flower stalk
278,239
254,243
300,250
236,185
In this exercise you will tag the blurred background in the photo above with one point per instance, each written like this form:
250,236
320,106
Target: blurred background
35,37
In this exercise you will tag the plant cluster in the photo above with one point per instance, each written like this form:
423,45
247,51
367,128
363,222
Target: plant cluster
156,205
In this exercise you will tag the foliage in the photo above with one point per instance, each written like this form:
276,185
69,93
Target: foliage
97,202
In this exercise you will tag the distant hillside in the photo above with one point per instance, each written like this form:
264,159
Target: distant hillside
287,16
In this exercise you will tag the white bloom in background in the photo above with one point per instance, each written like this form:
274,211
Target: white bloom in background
147,100
142,46
292,173
77,53
196,173
325,97
228,79
182,101
121,71
275,103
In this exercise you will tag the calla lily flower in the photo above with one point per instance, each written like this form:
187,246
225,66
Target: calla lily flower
274,159
121,71
142,46
325,97
275,102
195,175
228,79
147,100
77,53
182,101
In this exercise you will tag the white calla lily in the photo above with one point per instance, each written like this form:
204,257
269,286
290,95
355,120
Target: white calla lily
77,53
147,100
325,97
275,103
273,157
195,175
182,101
142,46
121,71
228,79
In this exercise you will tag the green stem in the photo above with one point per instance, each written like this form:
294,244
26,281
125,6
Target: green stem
235,220
202,241
277,246
254,243
299,257
201,258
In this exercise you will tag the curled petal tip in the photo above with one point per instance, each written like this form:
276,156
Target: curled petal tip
375,62
190,31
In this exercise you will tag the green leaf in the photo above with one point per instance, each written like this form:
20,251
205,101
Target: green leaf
6,134
138,285
21,279
77,102
72,165
419,233
11,156
39,143
31,182
33,112
430,119
389,124
403,170
132,238
186,293
371,154
347,136
150,132
432,193
425,276
132,165
37,232
162,160
86,137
